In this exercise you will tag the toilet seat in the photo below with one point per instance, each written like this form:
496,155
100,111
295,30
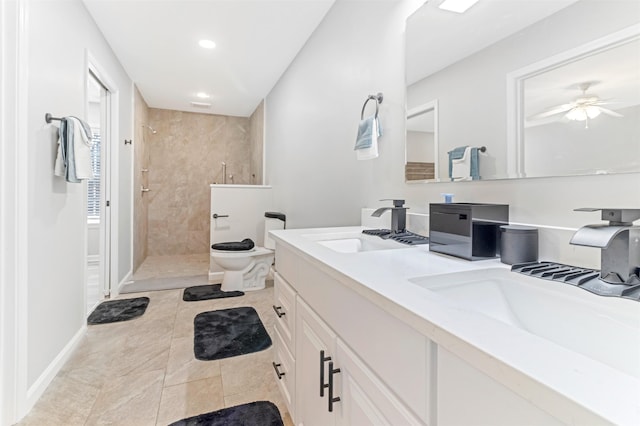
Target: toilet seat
255,251
238,246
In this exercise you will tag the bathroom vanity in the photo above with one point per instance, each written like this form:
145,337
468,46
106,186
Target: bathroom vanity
371,333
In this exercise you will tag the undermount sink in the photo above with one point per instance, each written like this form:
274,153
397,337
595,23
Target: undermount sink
353,242
355,245
606,329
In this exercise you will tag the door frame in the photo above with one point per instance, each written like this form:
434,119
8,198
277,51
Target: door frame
108,188
14,179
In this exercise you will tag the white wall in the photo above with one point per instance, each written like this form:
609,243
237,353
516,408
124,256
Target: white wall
53,39
420,146
312,114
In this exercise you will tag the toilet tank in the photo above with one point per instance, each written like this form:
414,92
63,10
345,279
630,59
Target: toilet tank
273,221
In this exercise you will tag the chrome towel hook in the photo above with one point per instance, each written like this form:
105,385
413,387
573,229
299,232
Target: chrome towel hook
378,98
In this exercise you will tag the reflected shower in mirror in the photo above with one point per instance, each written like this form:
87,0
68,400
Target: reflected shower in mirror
421,146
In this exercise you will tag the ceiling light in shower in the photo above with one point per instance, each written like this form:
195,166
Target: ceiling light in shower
203,95
207,44
201,104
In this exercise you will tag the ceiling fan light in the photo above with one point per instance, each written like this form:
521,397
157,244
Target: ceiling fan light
592,111
577,114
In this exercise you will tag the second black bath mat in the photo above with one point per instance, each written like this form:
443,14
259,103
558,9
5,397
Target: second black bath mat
207,292
118,310
259,413
228,332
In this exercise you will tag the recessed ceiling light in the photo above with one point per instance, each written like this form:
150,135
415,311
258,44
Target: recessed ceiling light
207,44
203,95
201,104
458,6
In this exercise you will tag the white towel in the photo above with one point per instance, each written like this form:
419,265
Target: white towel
82,149
372,151
461,168
73,160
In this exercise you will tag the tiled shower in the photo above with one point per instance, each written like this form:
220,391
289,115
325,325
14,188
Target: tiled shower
182,158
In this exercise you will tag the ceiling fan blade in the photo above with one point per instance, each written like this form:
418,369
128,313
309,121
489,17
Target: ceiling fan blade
610,112
552,111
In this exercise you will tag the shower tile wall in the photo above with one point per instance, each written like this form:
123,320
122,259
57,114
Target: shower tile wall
185,157
141,161
256,137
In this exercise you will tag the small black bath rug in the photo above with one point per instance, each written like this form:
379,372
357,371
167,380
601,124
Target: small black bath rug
259,413
118,310
207,292
228,332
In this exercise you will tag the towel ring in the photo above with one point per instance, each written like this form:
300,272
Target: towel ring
378,98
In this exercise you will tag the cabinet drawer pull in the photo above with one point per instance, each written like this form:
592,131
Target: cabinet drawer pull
278,373
278,313
332,399
323,359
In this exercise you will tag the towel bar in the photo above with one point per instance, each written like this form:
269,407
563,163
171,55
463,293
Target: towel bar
49,118
378,98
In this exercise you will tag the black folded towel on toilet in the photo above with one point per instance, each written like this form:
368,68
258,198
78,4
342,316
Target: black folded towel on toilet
244,245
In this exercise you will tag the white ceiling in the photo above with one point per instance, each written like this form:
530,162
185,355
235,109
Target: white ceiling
157,43
437,38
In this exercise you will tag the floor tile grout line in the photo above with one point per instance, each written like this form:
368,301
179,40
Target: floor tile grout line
164,376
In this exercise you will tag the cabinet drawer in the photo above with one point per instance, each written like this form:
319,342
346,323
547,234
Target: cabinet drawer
284,370
285,310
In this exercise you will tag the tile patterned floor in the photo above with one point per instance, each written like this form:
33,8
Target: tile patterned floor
143,371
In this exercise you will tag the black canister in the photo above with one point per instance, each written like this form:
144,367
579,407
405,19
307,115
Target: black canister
518,244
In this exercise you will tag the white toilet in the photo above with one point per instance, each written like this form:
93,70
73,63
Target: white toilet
246,269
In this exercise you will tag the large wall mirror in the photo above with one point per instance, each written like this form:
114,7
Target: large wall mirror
557,94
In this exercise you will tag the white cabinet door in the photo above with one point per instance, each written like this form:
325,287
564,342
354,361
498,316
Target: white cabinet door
364,399
467,396
313,339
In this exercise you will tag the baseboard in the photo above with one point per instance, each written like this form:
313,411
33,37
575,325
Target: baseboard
215,277
40,385
127,278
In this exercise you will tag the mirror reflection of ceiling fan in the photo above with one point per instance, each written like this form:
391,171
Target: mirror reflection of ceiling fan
583,108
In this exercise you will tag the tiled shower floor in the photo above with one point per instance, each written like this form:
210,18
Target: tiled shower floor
143,371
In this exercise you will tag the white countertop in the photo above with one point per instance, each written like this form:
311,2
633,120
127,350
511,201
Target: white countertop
552,377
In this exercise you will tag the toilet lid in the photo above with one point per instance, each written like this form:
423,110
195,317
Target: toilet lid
244,245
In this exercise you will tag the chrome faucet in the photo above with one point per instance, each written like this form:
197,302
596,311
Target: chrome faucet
398,215
619,241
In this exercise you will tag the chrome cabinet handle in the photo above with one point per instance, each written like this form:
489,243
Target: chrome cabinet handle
143,189
323,385
216,215
278,313
278,373
332,399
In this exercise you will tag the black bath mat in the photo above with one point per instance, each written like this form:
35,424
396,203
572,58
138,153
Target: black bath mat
207,292
118,310
260,413
228,332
